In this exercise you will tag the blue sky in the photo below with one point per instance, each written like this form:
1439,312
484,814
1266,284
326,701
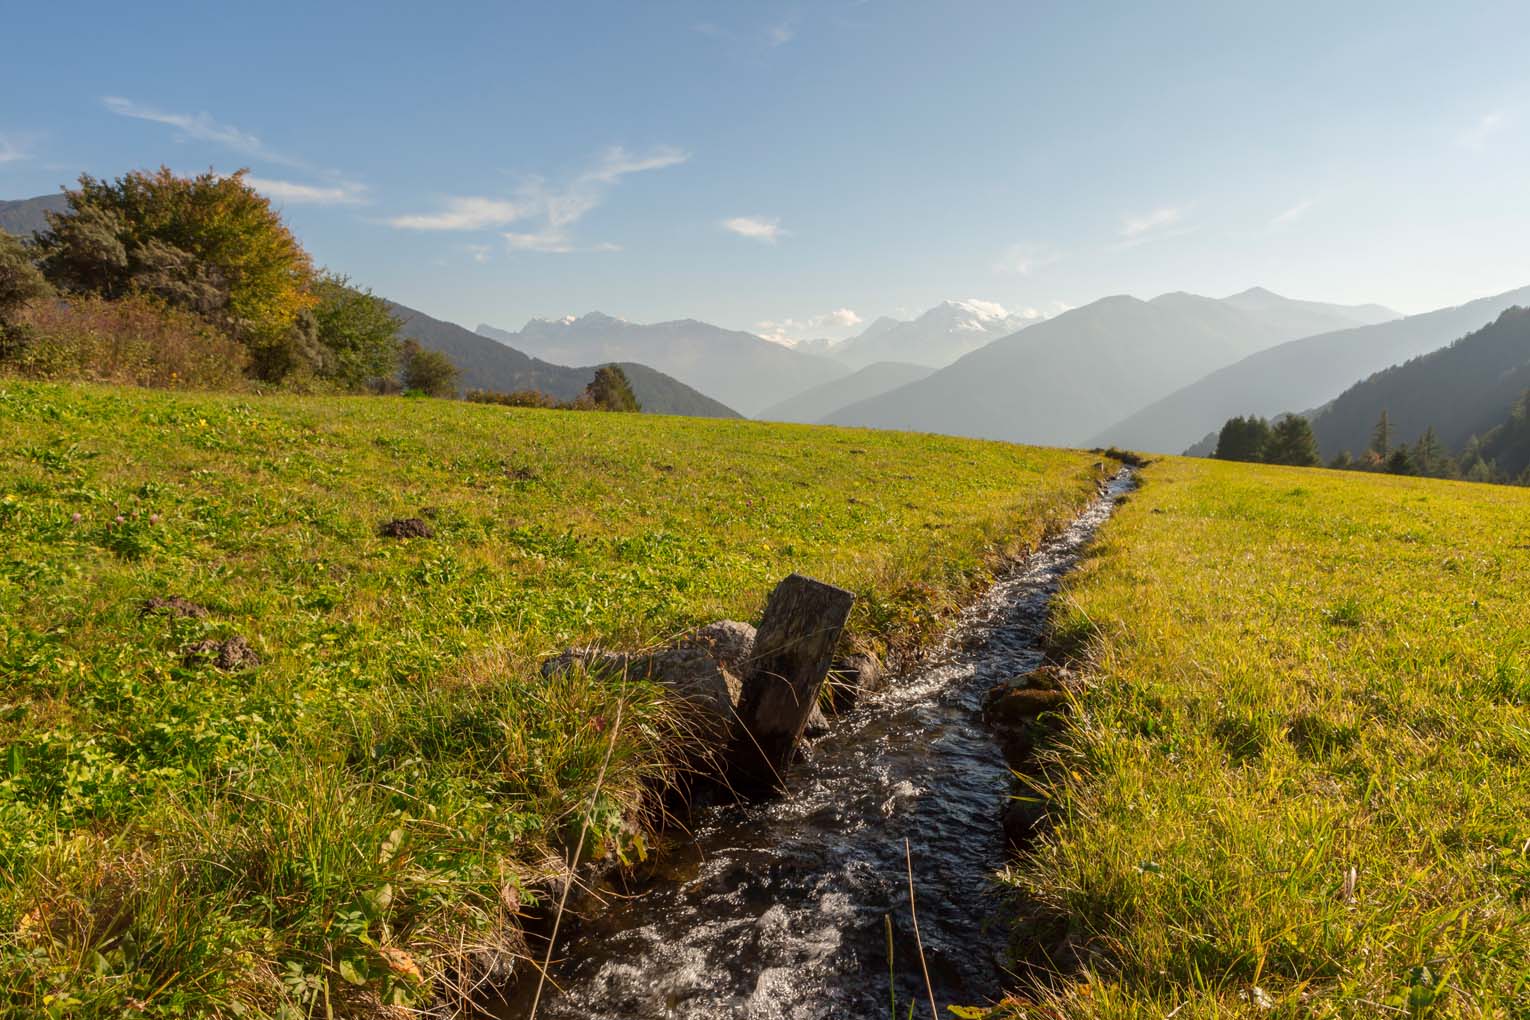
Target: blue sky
795,167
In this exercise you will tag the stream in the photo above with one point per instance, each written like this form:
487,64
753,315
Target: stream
780,908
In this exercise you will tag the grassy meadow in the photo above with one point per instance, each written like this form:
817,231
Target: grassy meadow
320,834
1298,782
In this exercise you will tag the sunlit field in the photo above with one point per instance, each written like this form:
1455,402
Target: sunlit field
319,818
1296,784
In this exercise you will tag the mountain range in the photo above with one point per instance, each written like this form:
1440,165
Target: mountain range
1060,381
490,365
1295,376
936,338
742,370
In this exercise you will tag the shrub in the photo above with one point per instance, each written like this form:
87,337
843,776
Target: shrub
20,282
429,372
356,334
136,341
519,398
610,390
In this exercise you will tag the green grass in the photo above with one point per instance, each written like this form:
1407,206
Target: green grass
365,806
1298,784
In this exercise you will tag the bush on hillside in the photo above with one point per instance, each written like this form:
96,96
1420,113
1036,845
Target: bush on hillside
427,372
135,341
355,334
519,398
20,281
610,390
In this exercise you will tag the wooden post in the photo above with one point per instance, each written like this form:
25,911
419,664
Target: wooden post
793,648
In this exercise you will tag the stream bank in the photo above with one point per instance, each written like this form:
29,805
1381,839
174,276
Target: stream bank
798,906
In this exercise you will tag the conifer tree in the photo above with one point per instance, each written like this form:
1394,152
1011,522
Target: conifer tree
1243,439
1292,442
1428,454
1381,436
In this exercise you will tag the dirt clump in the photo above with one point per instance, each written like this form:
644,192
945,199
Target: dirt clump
172,605
230,654
406,527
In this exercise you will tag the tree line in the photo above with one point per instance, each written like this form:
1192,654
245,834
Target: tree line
1501,455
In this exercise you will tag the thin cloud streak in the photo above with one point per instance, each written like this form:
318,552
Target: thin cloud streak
202,127
756,228
1136,226
558,208
1024,259
10,152
1290,215
1477,135
616,162
466,212
296,193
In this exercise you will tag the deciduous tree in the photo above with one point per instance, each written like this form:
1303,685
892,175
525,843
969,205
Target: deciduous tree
209,244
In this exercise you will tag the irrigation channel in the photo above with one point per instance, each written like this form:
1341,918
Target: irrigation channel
781,908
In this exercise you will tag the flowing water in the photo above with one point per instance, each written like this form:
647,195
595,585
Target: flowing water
781,908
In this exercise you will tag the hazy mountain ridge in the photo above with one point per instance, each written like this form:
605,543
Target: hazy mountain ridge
743,370
824,399
491,365
1307,318
1059,381
1302,373
25,216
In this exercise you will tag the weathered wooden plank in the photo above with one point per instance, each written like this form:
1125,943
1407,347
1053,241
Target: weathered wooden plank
793,648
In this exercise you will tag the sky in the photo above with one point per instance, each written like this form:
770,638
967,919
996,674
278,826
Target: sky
799,169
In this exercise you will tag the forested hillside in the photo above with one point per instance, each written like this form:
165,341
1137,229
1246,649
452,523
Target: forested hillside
1459,391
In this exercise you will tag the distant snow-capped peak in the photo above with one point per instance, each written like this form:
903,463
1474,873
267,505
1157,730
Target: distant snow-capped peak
979,316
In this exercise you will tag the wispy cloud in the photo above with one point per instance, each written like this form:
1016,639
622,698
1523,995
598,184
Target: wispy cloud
480,252
11,151
756,228
1476,135
1024,259
616,162
791,331
1291,215
782,32
467,212
201,126
296,193
777,33
1161,223
552,241
1137,226
547,213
